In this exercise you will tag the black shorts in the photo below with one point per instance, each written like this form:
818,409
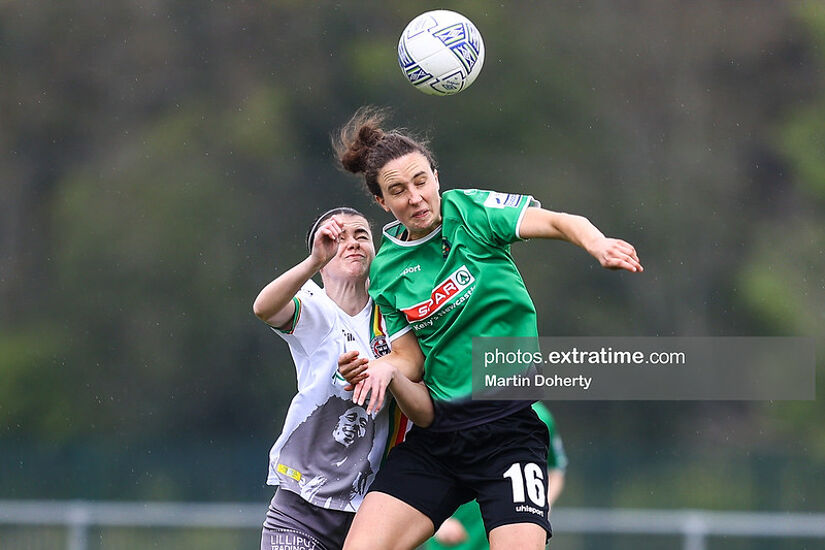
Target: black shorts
292,522
502,464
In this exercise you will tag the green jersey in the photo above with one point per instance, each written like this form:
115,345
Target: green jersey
469,514
457,283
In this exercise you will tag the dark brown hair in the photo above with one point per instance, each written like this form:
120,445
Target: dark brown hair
363,147
327,215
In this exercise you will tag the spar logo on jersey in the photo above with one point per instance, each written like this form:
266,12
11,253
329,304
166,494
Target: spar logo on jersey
460,279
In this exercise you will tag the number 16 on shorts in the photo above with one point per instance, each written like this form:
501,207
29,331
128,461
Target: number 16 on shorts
528,481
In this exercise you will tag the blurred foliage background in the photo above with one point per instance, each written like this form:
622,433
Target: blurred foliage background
160,162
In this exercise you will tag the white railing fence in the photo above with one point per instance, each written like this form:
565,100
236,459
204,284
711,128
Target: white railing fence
693,526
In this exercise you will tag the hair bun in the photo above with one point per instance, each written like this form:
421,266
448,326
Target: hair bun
355,159
358,137
370,135
362,147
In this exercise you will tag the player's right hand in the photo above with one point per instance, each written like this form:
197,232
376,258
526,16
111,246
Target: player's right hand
352,368
325,244
616,254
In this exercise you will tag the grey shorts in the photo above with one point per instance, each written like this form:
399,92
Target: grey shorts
294,524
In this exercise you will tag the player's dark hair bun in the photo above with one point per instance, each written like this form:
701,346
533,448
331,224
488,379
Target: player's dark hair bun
362,147
370,135
357,137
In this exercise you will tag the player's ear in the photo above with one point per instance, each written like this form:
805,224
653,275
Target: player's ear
437,183
381,203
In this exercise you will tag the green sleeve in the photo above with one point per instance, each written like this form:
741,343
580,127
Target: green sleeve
491,217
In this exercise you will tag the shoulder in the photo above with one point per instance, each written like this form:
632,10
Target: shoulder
463,196
313,297
471,199
310,291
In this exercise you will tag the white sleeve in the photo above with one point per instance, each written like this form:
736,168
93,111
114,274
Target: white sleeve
313,320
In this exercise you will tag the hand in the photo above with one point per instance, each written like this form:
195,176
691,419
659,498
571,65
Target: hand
352,368
379,375
615,254
325,243
451,533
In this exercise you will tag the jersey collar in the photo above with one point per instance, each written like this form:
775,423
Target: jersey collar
392,225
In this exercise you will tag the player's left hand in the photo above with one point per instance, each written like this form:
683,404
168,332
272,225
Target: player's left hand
616,254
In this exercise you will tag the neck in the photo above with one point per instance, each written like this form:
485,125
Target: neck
351,296
410,235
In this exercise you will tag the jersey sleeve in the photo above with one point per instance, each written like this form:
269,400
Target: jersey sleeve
490,216
313,319
556,457
395,320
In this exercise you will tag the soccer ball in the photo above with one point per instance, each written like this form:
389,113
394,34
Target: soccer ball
441,52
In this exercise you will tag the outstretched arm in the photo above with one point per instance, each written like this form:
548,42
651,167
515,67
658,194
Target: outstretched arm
274,303
539,223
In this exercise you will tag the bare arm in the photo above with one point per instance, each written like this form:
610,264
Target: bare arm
406,356
274,303
406,386
400,371
539,223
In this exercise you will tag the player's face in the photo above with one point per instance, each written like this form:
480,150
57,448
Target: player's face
351,425
355,249
410,191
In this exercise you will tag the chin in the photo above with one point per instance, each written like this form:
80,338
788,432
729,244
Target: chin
359,270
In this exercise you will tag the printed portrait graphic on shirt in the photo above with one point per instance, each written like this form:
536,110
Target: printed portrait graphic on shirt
325,459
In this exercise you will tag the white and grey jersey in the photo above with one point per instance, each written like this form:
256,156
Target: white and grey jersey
330,449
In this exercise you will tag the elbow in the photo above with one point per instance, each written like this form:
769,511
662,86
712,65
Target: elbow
259,310
426,422
424,419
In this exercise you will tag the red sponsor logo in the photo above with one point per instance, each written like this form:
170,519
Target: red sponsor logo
455,283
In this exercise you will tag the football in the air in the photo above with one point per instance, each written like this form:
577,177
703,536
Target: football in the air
441,52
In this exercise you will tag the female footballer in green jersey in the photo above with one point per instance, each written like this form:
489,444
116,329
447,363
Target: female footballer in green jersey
444,275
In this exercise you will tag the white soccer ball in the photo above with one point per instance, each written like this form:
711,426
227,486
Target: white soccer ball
441,52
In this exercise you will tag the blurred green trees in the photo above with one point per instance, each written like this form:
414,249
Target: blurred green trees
160,164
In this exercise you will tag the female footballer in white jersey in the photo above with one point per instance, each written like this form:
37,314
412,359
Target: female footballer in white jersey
330,447
444,274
